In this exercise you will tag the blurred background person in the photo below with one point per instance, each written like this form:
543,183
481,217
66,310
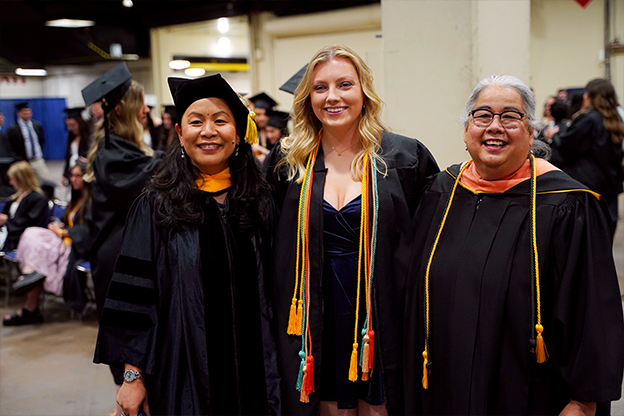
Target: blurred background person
25,138
167,132
78,141
262,104
28,206
120,164
591,148
44,253
547,117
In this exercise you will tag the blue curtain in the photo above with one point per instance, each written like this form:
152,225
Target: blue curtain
48,112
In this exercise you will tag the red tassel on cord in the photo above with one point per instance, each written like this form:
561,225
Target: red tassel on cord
307,385
308,379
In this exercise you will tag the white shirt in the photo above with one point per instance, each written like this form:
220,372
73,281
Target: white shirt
29,131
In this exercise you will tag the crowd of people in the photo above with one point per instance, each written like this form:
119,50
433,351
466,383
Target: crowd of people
240,268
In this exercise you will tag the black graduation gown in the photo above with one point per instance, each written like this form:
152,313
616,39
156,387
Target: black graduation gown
480,301
589,155
33,211
408,164
189,308
121,171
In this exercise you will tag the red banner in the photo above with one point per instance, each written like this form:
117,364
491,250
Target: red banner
583,3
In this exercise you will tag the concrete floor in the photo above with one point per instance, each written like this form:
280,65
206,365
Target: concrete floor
47,369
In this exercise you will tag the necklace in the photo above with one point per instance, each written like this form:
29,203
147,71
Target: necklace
340,152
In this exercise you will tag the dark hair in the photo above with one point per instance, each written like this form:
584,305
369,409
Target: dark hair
81,199
603,99
558,109
85,137
576,102
176,206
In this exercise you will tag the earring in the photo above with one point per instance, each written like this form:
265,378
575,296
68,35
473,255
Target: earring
465,147
236,153
182,149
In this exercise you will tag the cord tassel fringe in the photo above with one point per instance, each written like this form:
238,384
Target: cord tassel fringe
540,348
353,373
425,379
292,316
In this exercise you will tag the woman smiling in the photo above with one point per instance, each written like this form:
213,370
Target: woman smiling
187,313
347,189
515,306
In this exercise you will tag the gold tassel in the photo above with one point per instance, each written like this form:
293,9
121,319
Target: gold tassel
251,136
540,352
299,319
425,379
353,373
292,317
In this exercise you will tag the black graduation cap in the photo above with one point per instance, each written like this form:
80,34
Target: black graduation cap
21,106
262,100
278,119
291,85
75,113
109,88
186,91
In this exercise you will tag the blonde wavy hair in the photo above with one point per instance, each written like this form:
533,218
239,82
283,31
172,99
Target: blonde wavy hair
123,121
24,178
298,147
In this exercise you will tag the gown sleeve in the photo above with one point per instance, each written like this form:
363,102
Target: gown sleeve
123,170
587,329
129,320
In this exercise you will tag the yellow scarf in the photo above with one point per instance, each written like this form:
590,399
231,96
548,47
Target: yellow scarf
214,183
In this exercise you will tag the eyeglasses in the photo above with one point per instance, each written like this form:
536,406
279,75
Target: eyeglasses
510,119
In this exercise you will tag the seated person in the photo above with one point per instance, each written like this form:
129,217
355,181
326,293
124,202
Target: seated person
27,207
45,252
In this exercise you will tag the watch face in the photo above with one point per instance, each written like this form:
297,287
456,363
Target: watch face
129,375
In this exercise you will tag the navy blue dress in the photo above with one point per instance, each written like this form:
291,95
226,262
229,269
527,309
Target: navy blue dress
341,237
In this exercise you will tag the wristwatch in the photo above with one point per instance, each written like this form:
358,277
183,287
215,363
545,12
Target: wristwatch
131,375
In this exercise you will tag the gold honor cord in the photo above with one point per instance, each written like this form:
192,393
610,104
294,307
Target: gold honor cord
541,351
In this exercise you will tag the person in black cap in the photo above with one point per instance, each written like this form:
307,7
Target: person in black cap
347,189
262,104
119,166
25,139
276,128
78,141
188,308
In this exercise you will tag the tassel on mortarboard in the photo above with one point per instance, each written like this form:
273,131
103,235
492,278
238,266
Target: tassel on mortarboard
251,136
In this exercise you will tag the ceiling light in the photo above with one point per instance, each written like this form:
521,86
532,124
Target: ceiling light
224,48
71,23
195,72
179,64
127,3
223,25
31,72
